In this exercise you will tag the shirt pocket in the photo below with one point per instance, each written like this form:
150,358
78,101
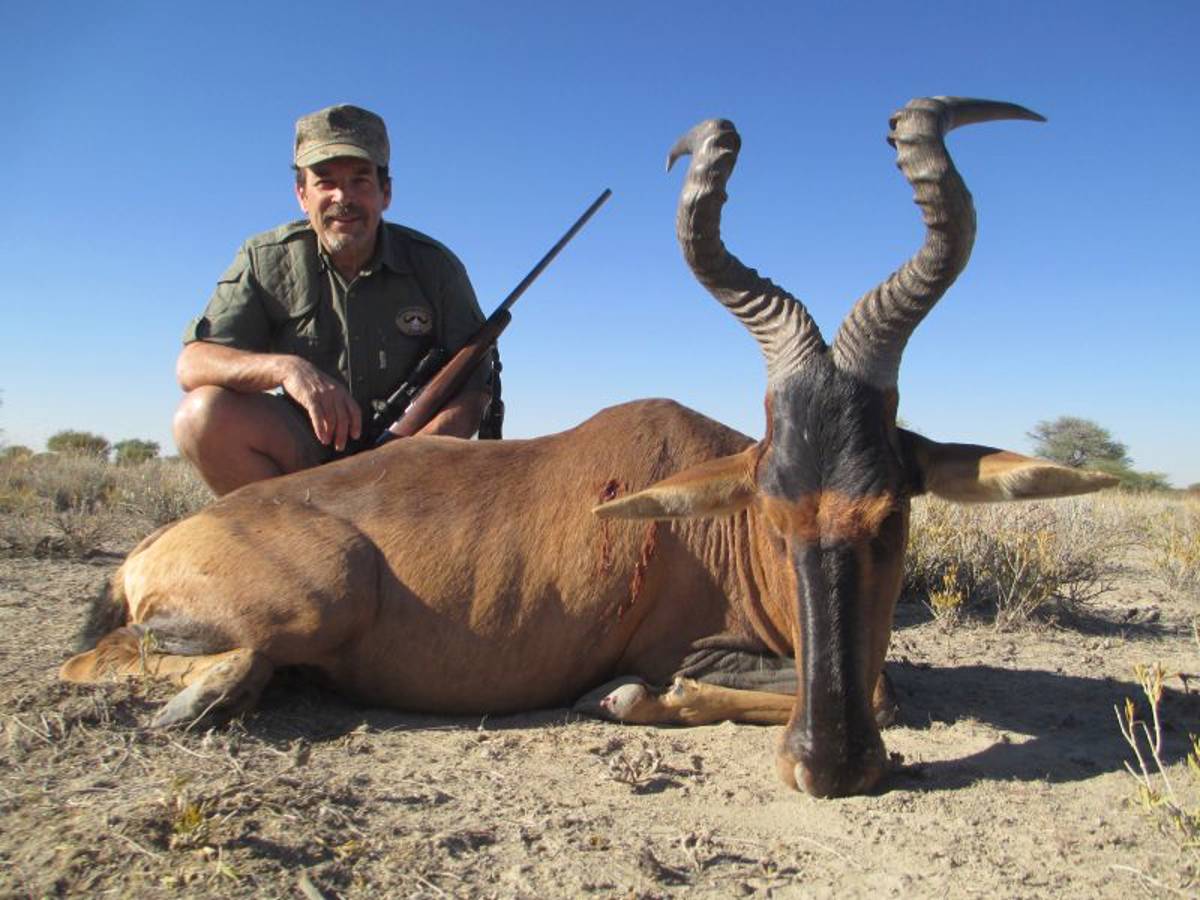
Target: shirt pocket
302,334
403,340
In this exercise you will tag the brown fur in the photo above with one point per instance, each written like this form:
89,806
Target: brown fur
472,590
828,516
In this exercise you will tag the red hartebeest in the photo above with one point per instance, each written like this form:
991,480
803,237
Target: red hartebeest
649,542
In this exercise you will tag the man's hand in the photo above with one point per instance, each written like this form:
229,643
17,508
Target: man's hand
334,414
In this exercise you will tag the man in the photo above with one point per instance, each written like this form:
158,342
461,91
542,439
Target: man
335,311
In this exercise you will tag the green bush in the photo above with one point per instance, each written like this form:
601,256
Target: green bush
78,443
1131,480
132,451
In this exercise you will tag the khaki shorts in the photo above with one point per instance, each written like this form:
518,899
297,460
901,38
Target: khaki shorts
312,451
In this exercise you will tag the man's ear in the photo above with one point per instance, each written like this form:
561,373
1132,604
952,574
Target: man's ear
301,196
967,473
717,487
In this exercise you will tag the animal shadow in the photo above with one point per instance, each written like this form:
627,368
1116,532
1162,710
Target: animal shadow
1051,727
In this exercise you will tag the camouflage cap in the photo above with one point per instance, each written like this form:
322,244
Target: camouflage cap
341,130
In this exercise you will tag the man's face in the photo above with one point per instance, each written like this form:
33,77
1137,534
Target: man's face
344,202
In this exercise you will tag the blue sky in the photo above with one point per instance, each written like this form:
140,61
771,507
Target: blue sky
146,141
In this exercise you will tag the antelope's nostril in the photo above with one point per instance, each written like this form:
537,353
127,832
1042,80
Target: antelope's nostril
825,779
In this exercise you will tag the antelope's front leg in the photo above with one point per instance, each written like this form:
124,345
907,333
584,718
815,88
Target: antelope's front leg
685,702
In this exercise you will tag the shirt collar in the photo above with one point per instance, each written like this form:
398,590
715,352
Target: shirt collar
388,252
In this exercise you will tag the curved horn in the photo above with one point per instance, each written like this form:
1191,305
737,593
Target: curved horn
872,337
779,322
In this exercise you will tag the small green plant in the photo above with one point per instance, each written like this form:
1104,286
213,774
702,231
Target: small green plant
1159,795
948,601
189,818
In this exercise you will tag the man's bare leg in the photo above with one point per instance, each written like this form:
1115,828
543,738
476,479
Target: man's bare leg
233,438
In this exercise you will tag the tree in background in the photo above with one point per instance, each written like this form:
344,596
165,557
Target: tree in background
1079,443
1082,443
132,451
12,452
78,443
1132,480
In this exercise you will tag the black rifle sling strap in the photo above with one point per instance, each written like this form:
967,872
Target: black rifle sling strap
491,425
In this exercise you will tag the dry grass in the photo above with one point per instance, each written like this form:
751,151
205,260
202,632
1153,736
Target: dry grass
1016,563
69,506
1173,536
313,796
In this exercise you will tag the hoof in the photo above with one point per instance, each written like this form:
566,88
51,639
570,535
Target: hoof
617,701
228,688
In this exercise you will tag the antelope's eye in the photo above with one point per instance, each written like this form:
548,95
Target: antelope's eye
887,539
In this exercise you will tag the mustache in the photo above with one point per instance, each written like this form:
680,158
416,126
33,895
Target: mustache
343,211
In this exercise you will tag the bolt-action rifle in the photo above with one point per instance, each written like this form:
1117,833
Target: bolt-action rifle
435,381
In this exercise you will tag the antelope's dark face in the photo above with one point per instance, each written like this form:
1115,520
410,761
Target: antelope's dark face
833,490
830,483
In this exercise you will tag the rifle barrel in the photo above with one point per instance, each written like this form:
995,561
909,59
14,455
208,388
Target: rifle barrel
554,251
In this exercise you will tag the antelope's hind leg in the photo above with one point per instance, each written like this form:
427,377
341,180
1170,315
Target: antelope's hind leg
215,686
229,684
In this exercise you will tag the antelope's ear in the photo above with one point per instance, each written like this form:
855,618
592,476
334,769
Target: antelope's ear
717,487
966,473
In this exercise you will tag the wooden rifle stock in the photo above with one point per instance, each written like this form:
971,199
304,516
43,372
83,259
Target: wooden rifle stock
446,384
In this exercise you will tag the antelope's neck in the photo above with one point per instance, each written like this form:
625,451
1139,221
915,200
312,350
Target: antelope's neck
737,549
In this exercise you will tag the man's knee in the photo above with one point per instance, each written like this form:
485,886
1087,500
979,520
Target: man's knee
202,414
215,426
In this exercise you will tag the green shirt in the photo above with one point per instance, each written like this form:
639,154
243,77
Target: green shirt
283,295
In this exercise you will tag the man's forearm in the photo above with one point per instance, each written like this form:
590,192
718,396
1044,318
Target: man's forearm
460,417
203,363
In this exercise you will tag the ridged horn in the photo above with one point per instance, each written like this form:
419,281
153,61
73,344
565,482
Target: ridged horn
872,337
779,322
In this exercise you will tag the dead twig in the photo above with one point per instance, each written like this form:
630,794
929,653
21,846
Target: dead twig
136,846
308,889
42,737
1147,880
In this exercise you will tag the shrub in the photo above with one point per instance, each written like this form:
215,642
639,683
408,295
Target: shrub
78,443
65,505
1132,480
1015,561
132,451
56,505
162,490
1173,536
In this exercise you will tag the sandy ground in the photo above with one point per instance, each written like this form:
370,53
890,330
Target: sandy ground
1013,783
